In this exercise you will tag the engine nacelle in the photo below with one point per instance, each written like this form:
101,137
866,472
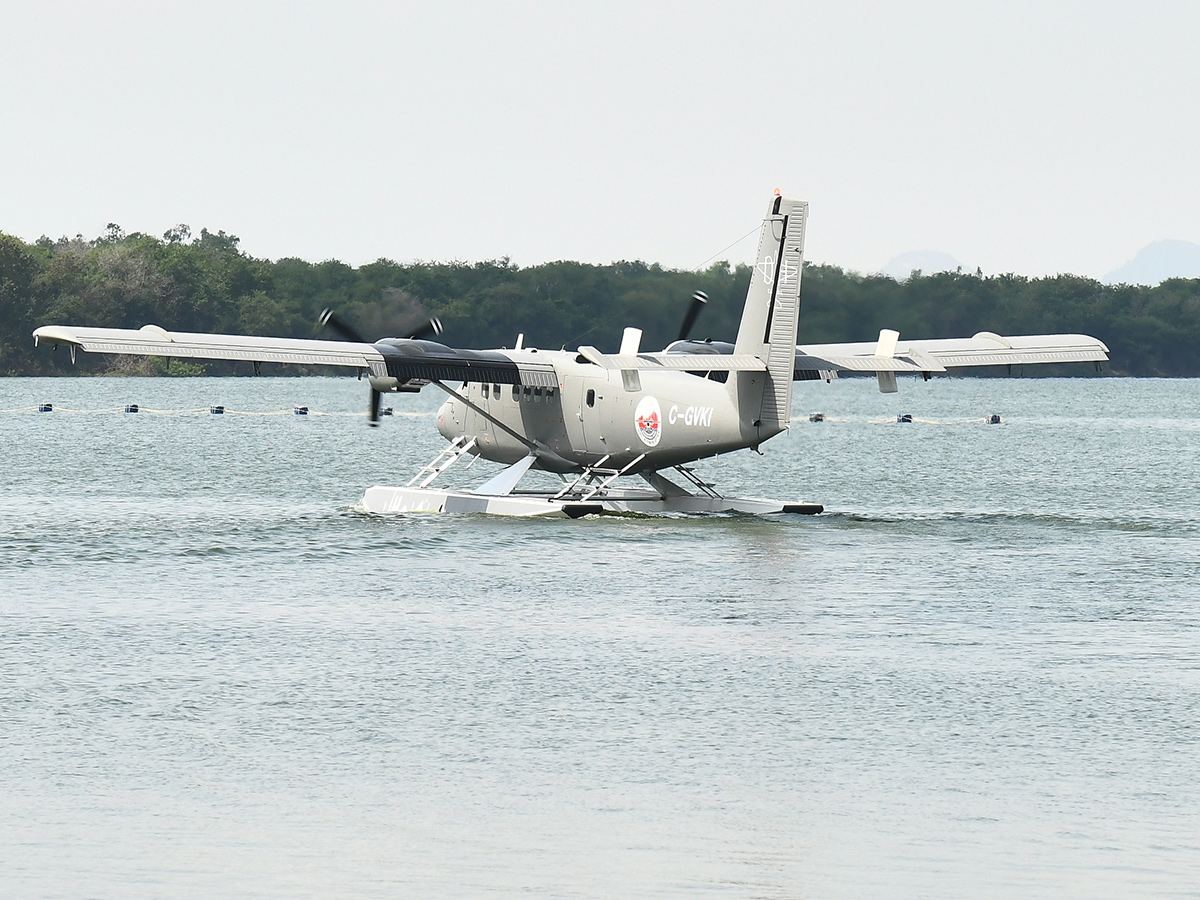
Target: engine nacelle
386,384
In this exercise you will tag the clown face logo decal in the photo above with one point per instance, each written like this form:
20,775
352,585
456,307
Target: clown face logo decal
647,419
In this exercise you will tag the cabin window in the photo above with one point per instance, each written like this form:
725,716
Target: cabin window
537,395
486,391
528,391
496,391
549,393
591,397
516,392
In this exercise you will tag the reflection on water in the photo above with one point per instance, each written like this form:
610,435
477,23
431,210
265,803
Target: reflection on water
976,676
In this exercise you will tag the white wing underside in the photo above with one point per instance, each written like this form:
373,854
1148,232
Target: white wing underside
984,349
150,340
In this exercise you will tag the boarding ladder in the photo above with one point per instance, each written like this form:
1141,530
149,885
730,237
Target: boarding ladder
449,456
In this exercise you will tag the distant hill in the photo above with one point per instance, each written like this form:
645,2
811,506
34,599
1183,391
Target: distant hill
926,261
1157,262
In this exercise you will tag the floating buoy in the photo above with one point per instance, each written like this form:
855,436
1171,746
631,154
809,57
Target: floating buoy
131,408
817,417
301,410
904,418
993,419
45,407
217,410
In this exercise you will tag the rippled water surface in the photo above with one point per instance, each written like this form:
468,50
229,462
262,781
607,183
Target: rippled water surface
977,675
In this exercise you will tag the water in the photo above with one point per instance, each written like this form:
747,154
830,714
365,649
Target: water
977,675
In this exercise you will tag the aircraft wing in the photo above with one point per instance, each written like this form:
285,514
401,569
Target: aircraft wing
890,354
405,359
150,340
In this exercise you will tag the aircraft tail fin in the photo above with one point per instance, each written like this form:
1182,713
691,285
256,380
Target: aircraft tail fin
772,312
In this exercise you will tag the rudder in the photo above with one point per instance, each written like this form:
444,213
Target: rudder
771,315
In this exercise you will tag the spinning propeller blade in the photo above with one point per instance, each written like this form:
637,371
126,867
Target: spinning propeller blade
433,326
330,319
373,413
698,300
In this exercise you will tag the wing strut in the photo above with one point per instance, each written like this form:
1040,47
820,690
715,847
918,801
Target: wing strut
453,393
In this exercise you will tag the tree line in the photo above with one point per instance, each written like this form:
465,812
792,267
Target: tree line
206,283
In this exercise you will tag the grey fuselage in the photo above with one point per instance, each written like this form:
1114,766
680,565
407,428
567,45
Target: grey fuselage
669,417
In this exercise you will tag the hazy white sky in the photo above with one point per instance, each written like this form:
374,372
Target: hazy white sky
1027,137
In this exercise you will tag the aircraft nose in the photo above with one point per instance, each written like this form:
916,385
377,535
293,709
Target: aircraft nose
445,419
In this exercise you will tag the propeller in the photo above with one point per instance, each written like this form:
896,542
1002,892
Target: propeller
433,326
373,413
331,320
698,300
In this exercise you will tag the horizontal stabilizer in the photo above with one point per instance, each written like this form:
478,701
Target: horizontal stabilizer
683,362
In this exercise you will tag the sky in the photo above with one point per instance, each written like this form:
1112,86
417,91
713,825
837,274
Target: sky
1025,137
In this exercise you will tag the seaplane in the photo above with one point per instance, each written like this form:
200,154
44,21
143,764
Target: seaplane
620,431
